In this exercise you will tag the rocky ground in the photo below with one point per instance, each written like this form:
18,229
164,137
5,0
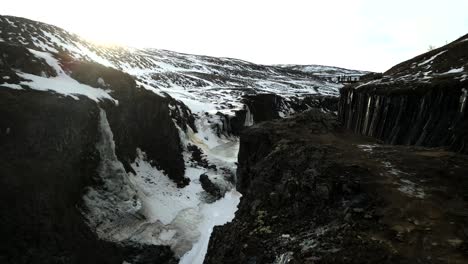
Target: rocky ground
314,193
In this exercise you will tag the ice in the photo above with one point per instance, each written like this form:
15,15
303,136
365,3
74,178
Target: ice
217,213
162,199
463,97
249,121
147,207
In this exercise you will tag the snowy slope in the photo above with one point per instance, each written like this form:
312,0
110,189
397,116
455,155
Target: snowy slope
216,82
445,65
324,71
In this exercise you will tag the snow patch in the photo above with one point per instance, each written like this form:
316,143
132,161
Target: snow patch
456,70
411,189
62,84
11,86
431,58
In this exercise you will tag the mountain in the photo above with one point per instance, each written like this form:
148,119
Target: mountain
117,154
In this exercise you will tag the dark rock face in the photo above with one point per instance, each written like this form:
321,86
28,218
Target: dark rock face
431,116
421,101
49,157
314,193
266,107
19,58
140,120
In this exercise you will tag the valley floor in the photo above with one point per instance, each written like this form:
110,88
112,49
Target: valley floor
313,193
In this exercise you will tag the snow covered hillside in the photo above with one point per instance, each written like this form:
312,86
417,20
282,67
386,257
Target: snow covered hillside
197,80
165,150
327,72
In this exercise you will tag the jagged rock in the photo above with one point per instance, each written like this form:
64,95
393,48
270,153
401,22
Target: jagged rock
210,187
198,156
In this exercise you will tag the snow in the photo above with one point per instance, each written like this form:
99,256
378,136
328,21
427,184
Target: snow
101,82
92,55
403,184
62,84
65,86
217,213
455,70
149,208
11,86
411,189
431,58
162,199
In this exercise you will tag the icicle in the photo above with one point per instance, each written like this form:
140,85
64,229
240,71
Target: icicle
248,117
463,99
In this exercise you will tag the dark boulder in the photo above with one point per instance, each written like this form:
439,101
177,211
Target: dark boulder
210,187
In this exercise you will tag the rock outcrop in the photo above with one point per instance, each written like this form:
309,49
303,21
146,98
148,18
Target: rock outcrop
315,193
419,102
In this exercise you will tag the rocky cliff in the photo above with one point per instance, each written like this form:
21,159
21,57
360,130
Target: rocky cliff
49,157
315,193
419,102
320,189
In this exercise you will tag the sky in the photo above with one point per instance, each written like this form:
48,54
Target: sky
358,34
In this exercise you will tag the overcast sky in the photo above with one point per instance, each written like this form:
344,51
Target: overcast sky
360,34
